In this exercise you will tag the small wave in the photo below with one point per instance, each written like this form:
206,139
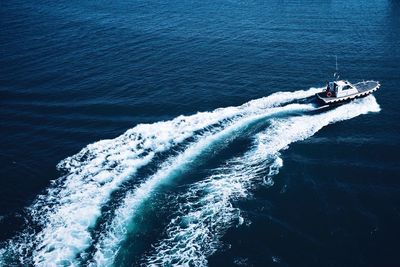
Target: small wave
62,218
193,236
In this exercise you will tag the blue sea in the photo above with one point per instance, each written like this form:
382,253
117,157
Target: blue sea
176,133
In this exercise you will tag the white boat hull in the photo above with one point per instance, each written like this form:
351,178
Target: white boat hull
363,88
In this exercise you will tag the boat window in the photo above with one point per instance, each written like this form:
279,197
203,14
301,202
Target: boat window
347,87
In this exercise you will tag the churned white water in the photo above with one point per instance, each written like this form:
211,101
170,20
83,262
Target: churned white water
71,206
109,244
194,234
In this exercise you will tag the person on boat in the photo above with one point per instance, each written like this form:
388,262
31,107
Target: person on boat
334,89
328,90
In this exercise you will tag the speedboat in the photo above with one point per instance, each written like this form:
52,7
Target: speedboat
343,91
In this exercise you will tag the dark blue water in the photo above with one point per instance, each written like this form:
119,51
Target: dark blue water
270,183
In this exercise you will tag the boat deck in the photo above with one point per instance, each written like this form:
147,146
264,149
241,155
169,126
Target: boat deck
365,86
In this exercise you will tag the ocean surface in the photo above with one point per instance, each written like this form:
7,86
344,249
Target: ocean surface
175,133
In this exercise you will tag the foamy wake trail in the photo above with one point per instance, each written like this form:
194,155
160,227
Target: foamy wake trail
69,209
107,248
207,207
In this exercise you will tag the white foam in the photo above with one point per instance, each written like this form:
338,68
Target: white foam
193,236
115,233
71,207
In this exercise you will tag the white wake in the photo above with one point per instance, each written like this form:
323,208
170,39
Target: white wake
116,231
71,206
193,236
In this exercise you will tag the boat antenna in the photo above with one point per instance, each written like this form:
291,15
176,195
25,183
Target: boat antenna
336,74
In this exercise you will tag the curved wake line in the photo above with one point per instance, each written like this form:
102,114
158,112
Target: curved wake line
72,204
193,236
107,249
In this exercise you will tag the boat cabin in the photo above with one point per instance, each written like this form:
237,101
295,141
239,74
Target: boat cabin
340,89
